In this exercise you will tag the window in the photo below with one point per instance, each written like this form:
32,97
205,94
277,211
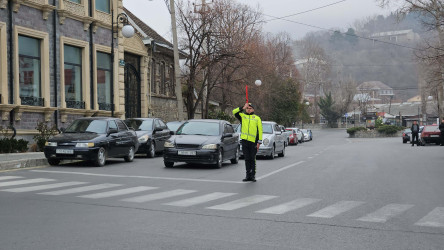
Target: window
171,82
228,129
163,87
73,77
122,126
103,5
104,81
153,77
75,1
29,71
112,125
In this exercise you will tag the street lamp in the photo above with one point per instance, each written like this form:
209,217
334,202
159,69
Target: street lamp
128,32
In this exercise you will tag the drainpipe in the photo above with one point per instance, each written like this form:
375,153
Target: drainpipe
56,112
11,64
91,71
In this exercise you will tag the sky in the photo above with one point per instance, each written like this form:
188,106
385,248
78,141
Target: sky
338,14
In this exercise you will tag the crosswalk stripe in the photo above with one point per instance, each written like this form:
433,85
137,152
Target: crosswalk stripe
117,192
199,199
9,177
21,182
386,212
289,206
336,209
244,202
158,196
81,189
42,187
433,219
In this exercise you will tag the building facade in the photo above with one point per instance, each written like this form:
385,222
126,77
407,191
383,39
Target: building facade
56,65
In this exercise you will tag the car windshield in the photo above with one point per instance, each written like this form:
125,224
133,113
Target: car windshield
267,128
199,128
87,126
173,126
140,125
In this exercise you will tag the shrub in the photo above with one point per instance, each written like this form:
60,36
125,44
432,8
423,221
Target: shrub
389,129
45,133
353,130
11,145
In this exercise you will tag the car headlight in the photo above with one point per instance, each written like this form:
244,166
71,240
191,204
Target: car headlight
168,144
84,144
51,144
209,146
144,138
266,142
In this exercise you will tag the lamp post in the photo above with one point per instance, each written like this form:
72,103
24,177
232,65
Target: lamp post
128,32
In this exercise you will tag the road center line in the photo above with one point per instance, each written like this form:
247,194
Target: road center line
279,170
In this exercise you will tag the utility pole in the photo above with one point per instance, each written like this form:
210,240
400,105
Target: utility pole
178,85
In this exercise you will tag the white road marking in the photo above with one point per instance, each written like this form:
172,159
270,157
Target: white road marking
43,187
158,196
199,199
433,219
310,157
81,189
279,170
9,177
117,192
244,202
289,206
21,182
141,177
336,209
383,214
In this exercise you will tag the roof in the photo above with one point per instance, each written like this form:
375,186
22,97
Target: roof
371,85
147,29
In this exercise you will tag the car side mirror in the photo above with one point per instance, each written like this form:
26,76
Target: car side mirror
278,132
112,131
172,132
227,135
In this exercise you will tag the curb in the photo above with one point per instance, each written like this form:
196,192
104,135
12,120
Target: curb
25,163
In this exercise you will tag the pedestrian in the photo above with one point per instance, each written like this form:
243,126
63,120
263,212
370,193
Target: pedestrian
441,128
415,132
251,136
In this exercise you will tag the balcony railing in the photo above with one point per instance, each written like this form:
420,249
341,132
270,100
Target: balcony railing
105,106
75,104
32,100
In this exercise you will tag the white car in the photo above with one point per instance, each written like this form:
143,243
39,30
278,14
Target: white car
306,134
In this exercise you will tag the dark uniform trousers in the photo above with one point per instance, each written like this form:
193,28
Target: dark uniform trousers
415,139
249,149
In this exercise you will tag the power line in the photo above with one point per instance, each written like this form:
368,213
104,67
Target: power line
328,5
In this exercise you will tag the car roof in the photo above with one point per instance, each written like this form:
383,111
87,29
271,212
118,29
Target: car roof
207,120
143,119
98,118
269,122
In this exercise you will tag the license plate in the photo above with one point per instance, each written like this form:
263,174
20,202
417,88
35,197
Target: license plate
65,151
434,135
186,152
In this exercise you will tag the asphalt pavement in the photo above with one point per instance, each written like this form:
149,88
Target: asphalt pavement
329,193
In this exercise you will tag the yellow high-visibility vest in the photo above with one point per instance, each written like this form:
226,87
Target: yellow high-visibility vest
251,129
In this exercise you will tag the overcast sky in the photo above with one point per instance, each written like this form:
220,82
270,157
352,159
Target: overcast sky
340,14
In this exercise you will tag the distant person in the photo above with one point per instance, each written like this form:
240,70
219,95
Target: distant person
441,128
251,135
415,133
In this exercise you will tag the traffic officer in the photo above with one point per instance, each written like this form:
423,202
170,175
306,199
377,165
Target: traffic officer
251,135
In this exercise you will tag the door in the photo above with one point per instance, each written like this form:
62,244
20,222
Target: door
132,87
114,140
230,143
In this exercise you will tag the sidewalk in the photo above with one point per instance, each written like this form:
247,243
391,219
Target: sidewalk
22,160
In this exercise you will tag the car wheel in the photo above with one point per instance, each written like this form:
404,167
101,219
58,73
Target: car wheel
168,164
130,156
235,160
101,157
272,153
283,153
53,162
219,159
151,150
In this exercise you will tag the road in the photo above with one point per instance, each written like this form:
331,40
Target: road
330,193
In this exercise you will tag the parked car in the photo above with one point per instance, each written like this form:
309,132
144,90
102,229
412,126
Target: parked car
273,140
300,135
406,135
310,134
151,133
306,135
174,125
293,136
238,130
94,139
202,141
430,134
286,134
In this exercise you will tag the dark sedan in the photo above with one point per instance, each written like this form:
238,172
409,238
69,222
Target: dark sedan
202,141
94,139
151,133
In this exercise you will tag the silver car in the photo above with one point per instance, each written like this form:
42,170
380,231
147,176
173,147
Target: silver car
273,141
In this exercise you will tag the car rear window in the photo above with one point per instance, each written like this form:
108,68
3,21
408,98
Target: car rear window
431,128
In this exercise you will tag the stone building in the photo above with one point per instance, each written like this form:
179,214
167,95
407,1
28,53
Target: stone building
56,64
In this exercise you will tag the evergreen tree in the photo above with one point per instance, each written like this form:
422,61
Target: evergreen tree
326,106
